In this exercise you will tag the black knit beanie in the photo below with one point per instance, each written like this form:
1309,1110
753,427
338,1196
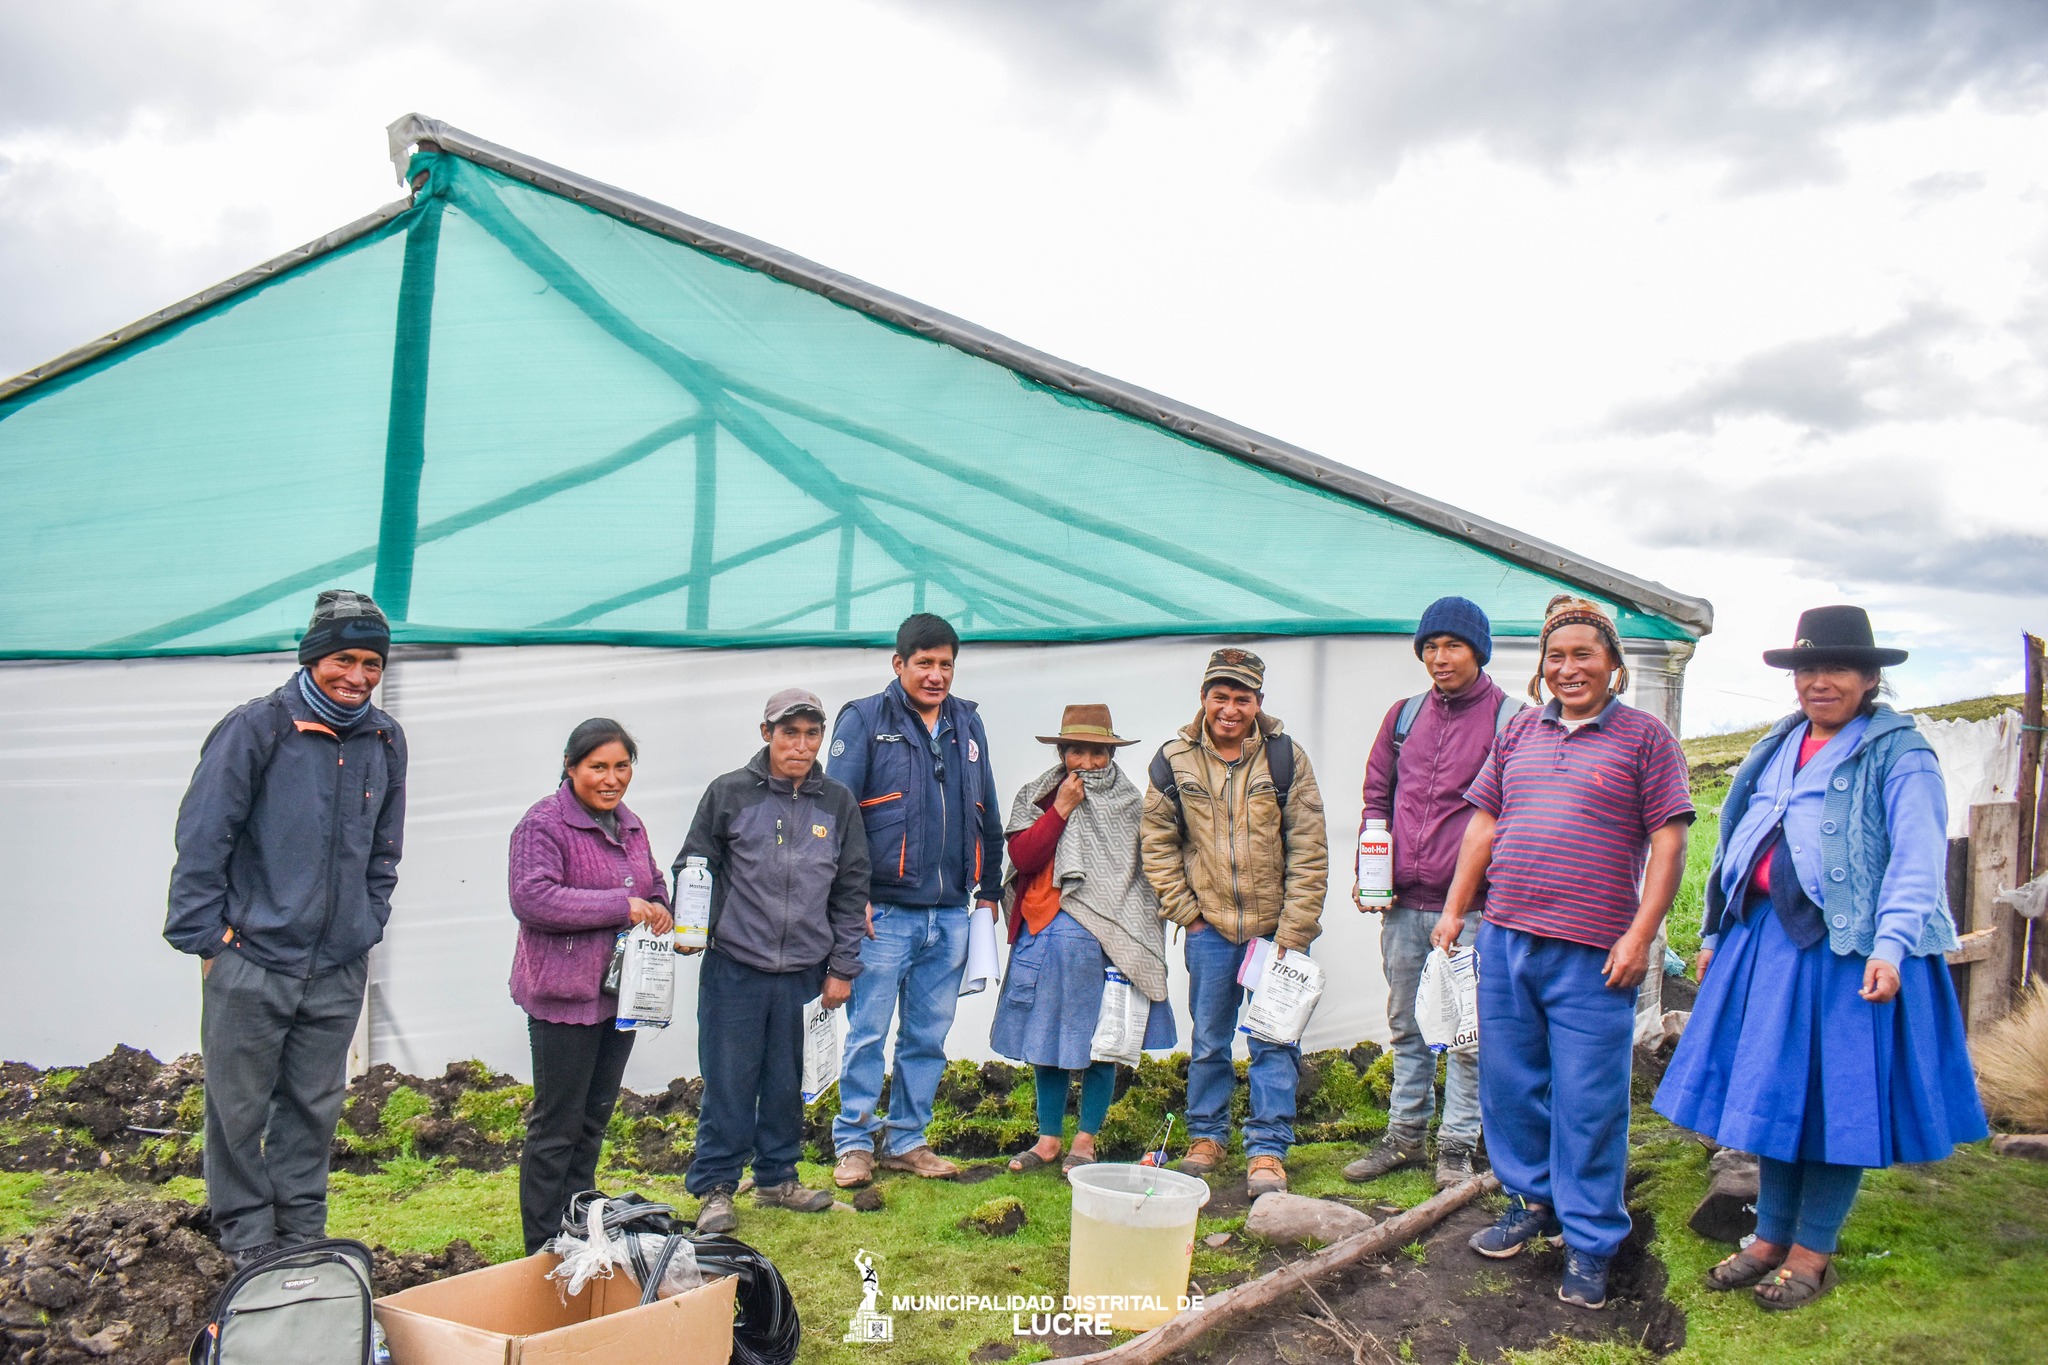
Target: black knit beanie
345,620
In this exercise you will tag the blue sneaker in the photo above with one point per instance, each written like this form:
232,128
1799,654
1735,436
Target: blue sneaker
1516,1228
1585,1278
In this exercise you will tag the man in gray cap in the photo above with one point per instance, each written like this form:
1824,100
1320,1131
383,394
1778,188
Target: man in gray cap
283,884
789,887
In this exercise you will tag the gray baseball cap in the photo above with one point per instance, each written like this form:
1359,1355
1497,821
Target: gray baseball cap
790,701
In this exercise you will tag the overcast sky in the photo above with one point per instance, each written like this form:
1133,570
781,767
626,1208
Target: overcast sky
1749,297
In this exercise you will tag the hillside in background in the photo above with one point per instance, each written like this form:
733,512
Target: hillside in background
1711,754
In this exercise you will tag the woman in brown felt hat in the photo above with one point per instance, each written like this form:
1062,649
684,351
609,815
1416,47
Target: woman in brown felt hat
1078,903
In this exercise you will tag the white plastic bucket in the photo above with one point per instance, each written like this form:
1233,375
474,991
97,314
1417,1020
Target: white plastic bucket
1133,1236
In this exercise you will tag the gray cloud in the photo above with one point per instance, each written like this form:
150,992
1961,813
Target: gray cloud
1870,524
1836,384
1758,85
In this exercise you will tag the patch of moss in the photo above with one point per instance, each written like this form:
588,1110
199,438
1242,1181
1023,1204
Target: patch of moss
58,1080
658,1143
404,1105
997,1218
497,1114
1333,1103
1156,1088
192,1108
1379,1079
982,1109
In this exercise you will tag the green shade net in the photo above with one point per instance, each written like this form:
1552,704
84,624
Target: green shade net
516,419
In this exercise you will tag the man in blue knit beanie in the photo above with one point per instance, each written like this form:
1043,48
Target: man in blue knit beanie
1428,750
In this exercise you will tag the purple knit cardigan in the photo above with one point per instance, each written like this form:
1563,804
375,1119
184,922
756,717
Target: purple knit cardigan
571,883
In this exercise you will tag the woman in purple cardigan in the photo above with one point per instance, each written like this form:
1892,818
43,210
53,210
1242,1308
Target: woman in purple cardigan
581,871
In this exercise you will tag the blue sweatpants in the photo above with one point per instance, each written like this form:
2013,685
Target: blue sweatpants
1554,1052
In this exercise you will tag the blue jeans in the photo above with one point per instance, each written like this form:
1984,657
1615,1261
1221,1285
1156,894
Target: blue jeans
1404,947
1555,1045
910,972
1213,999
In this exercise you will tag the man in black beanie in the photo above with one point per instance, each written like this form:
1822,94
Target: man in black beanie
282,885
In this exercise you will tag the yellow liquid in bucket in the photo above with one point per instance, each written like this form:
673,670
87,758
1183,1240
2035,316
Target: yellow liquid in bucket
1111,1258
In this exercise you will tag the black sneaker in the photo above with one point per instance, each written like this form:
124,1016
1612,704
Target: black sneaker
716,1214
1453,1164
1394,1152
1585,1279
1522,1224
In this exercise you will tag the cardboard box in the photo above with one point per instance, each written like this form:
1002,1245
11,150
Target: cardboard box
512,1314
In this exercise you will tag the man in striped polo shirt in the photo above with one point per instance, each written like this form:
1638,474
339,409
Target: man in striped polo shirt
1573,801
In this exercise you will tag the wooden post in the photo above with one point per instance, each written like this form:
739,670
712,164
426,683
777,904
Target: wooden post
2033,809
1994,842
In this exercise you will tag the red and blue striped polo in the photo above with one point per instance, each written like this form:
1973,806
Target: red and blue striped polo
1575,812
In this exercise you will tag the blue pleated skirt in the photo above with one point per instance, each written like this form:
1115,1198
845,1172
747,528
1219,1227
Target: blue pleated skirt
1052,995
1782,1058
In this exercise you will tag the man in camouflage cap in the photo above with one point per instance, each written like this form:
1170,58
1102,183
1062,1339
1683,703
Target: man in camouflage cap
1234,845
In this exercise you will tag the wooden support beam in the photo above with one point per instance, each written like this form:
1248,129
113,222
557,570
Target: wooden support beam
2033,798
1994,844
1245,1299
1975,947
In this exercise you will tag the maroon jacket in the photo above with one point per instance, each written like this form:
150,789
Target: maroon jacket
1444,751
571,883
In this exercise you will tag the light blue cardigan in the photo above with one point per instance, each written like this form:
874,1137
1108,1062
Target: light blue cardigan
1856,846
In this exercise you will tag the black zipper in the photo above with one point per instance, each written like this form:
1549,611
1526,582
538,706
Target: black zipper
333,843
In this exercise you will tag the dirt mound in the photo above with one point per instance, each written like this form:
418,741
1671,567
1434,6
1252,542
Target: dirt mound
1438,1302
126,1111
130,1283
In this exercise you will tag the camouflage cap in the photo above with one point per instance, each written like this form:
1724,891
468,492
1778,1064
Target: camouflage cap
1240,666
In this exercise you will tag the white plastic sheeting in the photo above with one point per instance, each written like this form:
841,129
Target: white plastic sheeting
1980,762
94,757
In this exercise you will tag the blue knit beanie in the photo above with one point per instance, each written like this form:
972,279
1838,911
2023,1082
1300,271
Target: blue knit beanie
1460,617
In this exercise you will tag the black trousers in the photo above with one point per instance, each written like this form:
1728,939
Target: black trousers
576,1073
750,1047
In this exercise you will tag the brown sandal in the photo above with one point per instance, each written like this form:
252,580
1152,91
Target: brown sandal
1784,1290
1739,1271
1029,1160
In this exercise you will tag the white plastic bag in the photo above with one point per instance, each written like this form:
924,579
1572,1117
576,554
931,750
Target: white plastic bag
1120,1026
1284,995
647,984
595,1255
1447,1001
824,1043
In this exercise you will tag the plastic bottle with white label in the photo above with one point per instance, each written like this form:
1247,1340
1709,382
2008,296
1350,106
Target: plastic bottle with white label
1375,866
693,904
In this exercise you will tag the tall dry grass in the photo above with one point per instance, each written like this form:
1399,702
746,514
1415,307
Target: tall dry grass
2012,1065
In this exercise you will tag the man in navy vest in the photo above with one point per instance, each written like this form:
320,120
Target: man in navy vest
916,758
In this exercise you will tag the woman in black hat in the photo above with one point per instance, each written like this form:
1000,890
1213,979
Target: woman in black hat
1826,1038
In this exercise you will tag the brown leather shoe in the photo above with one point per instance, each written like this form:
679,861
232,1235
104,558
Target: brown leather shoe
1264,1175
1204,1155
856,1167
921,1161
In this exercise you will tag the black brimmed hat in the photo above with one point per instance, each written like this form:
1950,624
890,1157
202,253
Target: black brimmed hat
1834,635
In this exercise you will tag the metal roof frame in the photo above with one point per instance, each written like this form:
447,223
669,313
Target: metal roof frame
1694,613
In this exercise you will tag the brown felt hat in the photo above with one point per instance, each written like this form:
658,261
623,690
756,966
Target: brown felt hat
1086,724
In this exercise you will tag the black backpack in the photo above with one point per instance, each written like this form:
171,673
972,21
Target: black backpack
308,1304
